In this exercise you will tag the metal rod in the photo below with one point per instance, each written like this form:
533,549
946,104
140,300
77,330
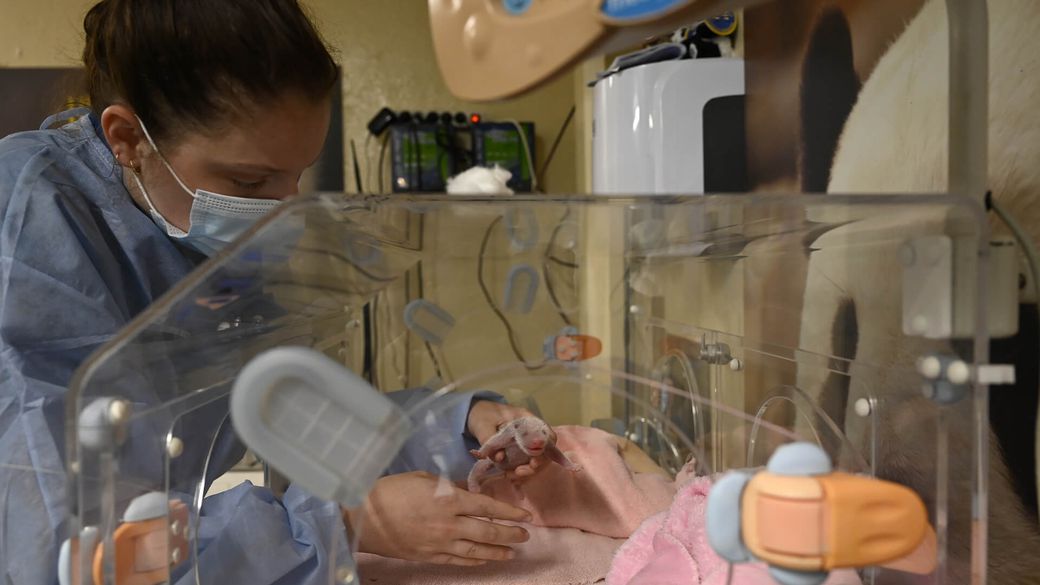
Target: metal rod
968,175
969,97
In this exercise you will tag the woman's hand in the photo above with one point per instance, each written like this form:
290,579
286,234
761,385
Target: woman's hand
486,417
416,517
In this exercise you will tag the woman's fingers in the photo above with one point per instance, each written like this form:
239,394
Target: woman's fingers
482,531
475,551
482,506
447,559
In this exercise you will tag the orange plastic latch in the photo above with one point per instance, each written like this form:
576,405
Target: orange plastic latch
871,522
835,521
575,348
145,550
590,346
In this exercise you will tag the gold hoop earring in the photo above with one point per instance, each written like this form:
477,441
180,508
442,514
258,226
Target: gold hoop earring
133,167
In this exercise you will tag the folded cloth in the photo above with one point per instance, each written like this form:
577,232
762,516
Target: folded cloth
605,497
671,548
552,556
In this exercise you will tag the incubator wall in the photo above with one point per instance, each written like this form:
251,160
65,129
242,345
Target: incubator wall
666,340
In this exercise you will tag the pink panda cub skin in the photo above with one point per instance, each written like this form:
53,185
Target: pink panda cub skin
521,440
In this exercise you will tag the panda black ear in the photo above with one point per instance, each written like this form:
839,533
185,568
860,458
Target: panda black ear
829,89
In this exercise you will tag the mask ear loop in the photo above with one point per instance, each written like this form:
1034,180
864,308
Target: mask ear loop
171,230
163,159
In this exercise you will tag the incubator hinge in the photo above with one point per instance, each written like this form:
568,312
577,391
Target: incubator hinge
715,353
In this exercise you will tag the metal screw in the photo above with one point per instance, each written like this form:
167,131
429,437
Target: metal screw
930,367
118,411
175,528
736,365
174,447
863,407
175,556
958,373
633,309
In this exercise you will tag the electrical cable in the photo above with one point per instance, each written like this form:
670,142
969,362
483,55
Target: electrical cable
556,141
491,301
436,364
552,294
561,262
357,167
367,371
527,152
417,184
368,161
382,159
551,258
461,157
1023,240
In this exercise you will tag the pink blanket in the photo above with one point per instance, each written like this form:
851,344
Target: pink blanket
671,548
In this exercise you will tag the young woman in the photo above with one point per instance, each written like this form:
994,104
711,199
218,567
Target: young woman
204,114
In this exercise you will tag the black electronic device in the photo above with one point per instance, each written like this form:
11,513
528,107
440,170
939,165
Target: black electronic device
381,121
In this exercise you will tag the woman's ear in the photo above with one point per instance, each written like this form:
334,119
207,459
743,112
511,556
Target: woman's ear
829,89
119,123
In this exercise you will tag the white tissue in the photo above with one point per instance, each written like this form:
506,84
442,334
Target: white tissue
481,181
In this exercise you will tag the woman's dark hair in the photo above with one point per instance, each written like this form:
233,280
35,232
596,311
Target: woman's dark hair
197,64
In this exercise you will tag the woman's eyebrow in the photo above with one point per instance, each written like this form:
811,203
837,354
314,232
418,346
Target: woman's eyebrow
247,167
255,168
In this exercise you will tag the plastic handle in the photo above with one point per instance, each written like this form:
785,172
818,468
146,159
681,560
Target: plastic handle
318,423
440,320
521,288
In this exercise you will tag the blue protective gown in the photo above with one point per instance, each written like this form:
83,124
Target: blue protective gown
78,261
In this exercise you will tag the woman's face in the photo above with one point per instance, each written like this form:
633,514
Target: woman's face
261,157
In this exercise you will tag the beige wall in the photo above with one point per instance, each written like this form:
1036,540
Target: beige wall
385,49
387,57
41,34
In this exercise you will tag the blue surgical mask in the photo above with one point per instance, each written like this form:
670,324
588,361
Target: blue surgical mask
215,220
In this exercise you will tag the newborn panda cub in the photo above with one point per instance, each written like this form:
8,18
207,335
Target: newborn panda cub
522,440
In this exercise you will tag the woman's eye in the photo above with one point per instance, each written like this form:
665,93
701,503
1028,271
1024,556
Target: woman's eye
248,184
